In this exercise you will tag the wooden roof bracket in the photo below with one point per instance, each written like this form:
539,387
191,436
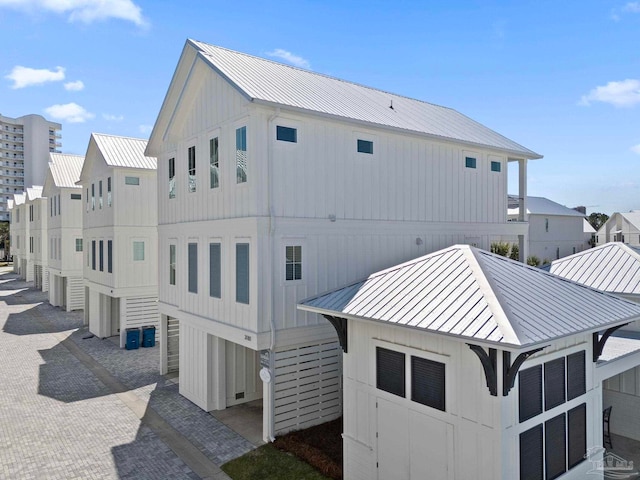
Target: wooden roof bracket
510,370
598,343
489,363
340,324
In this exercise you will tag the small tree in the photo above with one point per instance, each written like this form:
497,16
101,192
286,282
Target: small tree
515,252
533,261
597,219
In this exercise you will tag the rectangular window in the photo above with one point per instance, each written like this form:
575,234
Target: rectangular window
93,254
108,191
531,454
241,155
554,383
286,134
214,181
172,178
59,205
193,267
78,244
100,194
530,396
101,255
51,207
215,270
242,273
427,382
110,256
172,264
93,196
138,251
132,180
192,168
76,196
87,199
293,265
555,447
365,146
576,375
546,224
390,371
470,162
577,435
496,166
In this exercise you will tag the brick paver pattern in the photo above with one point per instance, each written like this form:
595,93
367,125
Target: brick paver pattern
58,421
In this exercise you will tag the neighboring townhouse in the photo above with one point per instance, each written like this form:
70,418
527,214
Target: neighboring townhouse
17,231
465,364
37,238
615,268
64,231
621,227
589,234
555,231
119,226
277,183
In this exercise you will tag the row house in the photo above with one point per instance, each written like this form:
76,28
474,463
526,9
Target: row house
621,227
18,231
64,231
35,205
119,236
275,184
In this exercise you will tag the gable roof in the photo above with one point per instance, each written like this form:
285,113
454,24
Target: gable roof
124,151
633,217
65,169
587,227
475,295
34,192
544,206
266,82
613,267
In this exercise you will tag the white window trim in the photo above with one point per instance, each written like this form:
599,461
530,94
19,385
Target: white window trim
134,240
291,242
197,241
361,135
175,243
244,122
223,268
252,280
480,164
288,123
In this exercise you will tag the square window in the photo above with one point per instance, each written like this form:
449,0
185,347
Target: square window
138,251
365,146
390,371
286,134
293,264
496,166
470,162
132,180
427,382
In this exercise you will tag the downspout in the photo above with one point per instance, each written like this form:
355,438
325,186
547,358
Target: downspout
272,230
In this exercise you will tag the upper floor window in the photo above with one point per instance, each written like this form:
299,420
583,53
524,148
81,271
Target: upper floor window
101,255
286,134
100,194
110,256
172,178
172,264
242,273
132,180
496,166
192,168
76,196
241,155
546,224
293,265
470,162
192,265
78,244
93,196
215,270
214,181
138,251
87,199
365,146
108,191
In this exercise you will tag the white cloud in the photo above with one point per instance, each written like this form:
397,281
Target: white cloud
85,11
112,118
632,7
289,57
27,77
625,93
74,86
145,129
636,149
69,112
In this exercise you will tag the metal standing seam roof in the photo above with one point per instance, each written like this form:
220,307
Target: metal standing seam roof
124,151
19,198
633,217
475,295
34,192
65,169
266,81
613,267
544,206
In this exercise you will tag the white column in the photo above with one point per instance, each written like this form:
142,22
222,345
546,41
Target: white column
162,340
523,240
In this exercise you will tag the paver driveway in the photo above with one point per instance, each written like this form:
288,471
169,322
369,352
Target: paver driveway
75,407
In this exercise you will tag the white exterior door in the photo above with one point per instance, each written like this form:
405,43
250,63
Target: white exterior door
411,445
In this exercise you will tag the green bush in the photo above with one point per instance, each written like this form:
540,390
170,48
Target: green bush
533,261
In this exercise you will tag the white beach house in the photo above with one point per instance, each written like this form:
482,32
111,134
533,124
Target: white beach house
119,236
36,206
620,227
18,230
277,183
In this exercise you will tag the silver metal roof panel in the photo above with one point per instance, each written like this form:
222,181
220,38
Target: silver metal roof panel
65,169
124,151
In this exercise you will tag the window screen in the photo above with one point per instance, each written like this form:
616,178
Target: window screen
577,435
531,455
576,383
554,383
365,146
390,371
193,267
286,134
530,392
242,273
555,447
215,271
427,382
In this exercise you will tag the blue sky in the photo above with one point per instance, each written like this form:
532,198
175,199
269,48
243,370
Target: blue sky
561,78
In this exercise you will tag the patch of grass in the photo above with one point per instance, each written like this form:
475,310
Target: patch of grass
269,463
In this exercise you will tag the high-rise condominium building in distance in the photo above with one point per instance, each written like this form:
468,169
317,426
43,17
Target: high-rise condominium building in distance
25,143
